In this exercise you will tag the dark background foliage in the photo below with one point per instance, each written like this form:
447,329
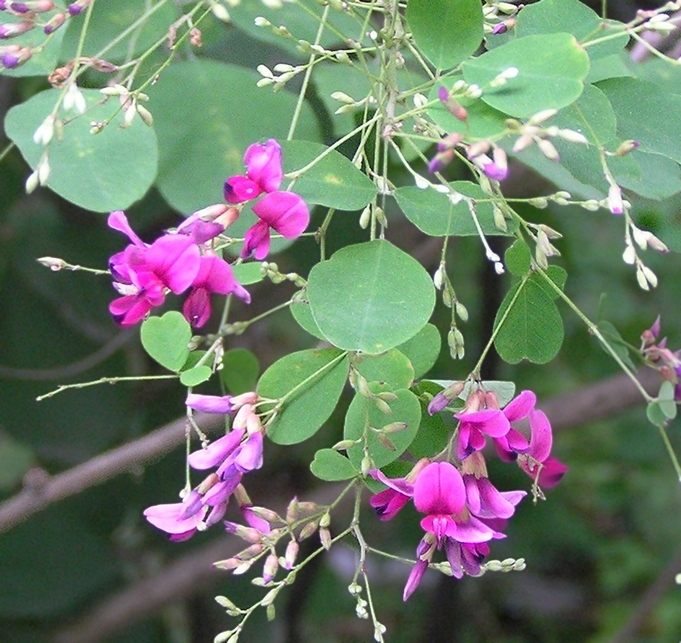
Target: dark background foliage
602,551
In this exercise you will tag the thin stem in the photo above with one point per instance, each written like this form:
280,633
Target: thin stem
308,379
306,78
105,380
670,451
497,328
595,331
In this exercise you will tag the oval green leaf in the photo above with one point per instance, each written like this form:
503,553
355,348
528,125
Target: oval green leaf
333,181
551,69
240,369
203,133
422,349
446,31
195,376
99,172
370,297
435,214
166,338
332,466
406,408
391,368
316,378
532,328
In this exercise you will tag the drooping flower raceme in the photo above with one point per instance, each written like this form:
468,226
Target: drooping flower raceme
232,455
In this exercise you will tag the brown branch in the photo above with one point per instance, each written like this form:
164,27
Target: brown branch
146,450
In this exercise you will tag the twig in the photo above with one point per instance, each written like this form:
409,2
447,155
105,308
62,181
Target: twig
145,450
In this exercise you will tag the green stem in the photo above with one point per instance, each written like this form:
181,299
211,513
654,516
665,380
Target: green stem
497,327
670,451
105,380
306,78
595,331
308,379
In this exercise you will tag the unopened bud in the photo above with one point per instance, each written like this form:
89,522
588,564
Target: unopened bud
386,442
270,568
626,147
325,538
291,554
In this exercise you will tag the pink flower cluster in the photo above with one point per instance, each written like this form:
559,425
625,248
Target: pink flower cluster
185,259
666,361
464,510
285,212
232,455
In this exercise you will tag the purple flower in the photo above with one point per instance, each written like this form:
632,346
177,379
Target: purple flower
207,223
473,427
173,519
263,165
263,173
13,29
210,403
485,501
284,212
214,276
389,502
217,451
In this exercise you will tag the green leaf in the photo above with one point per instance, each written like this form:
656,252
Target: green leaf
248,273
434,430
655,414
370,297
332,466
99,172
334,181
551,69
301,18
110,19
436,215
667,401
203,133
309,406
616,342
46,50
422,349
391,368
483,121
446,31
574,17
533,328
300,309
362,412
240,369
166,338
195,376
640,107
518,258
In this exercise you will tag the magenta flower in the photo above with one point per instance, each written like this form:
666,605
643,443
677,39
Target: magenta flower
210,403
214,276
465,558
173,519
285,212
485,501
439,491
144,273
207,223
389,502
533,456
263,173
473,427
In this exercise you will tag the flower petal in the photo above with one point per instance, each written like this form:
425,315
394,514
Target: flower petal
520,406
439,489
216,452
